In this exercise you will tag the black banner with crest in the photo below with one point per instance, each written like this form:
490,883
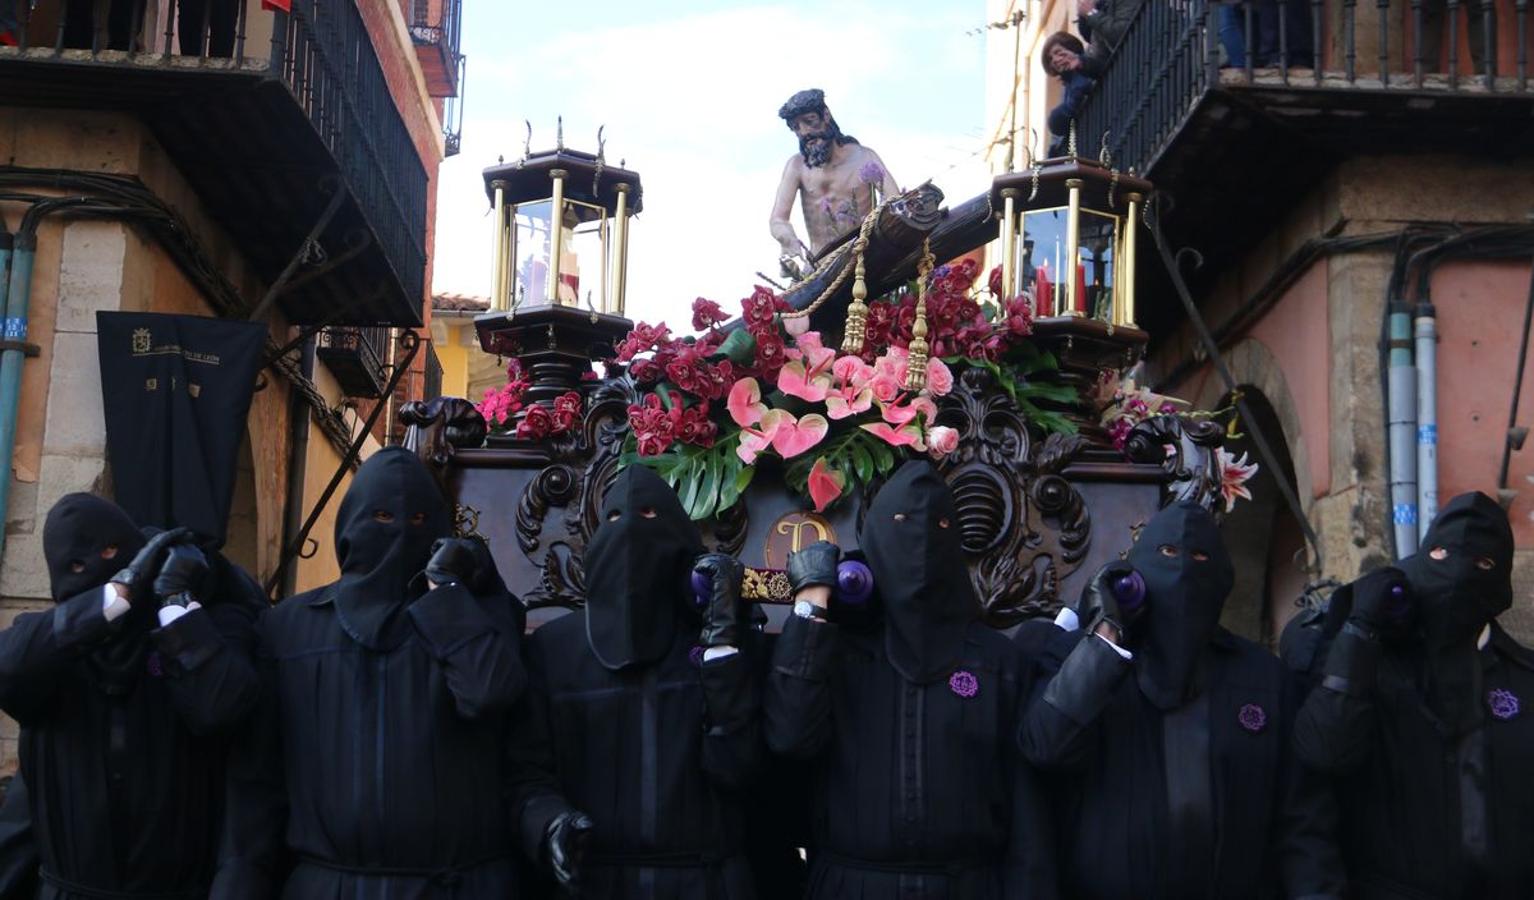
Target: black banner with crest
177,390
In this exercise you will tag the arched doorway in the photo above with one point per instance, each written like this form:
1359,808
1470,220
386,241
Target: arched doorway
1266,543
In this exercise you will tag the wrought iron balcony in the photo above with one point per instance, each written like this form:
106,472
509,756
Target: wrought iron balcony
435,27
432,389
356,357
1235,111
283,123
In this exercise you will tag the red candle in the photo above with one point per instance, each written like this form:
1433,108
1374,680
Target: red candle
1043,297
1081,288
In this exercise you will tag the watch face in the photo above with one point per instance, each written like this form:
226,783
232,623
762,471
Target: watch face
804,609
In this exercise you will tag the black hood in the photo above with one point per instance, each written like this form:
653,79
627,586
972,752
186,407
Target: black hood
78,529
392,514
638,565
1183,597
1455,599
910,536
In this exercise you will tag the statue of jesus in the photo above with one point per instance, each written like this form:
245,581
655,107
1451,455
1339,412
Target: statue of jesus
837,179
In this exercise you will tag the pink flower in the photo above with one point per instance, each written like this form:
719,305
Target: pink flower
907,436
852,371
886,388
807,375
796,326
898,415
1234,474
706,314
848,400
825,484
942,440
567,411
654,426
795,436
695,427
939,379
753,440
745,403
536,424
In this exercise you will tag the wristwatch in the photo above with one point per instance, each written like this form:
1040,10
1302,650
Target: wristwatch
804,609
182,599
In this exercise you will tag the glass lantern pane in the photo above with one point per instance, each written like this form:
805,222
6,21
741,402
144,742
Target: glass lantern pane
1041,257
583,261
1096,261
530,263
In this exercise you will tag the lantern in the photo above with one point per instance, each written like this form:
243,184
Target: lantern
1069,231
561,231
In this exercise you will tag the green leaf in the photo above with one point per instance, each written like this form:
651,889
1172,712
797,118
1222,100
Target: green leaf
884,456
730,469
663,390
707,499
688,484
862,462
739,347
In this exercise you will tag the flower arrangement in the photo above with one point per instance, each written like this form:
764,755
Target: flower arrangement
715,405
505,409
1130,405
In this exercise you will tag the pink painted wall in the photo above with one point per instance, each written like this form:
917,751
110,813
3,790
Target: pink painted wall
1297,333
1480,319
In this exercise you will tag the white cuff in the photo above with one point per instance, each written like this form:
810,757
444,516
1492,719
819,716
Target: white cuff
714,653
1116,648
169,614
112,606
1067,619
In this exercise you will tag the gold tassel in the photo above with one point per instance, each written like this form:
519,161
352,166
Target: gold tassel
917,350
857,310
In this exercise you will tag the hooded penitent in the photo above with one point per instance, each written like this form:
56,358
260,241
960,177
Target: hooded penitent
79,529
637,568
392,514
1457,596
911,538
1187,576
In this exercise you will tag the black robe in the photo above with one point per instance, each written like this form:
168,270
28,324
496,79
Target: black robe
377,773
126,783
1251,825
18,848
919,792
659,755
1400,782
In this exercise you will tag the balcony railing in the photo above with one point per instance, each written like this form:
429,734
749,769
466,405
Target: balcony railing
1173,54
355,356
209,76
436,27
432,388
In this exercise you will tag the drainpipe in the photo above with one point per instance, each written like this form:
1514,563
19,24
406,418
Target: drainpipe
298,467
1403,431
14,297
1427,415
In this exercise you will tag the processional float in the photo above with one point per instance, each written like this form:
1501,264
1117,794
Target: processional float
774,425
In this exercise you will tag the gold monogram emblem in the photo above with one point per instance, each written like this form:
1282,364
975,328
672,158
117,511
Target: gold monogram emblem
141,340
793,532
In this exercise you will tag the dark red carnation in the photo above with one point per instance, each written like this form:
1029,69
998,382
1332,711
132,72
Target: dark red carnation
706,314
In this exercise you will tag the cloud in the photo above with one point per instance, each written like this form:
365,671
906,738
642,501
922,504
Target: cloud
690,103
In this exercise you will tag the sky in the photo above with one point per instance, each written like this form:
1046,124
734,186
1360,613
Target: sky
689,93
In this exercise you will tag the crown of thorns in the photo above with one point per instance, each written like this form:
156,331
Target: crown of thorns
813,100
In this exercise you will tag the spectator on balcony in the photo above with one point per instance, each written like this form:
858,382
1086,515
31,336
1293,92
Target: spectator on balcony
1267,21
1064,57
215,17
1102,24
101,24
1482,16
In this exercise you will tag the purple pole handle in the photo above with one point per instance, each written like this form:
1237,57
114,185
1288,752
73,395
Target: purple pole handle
854,583
700,588
1400,605
1130,591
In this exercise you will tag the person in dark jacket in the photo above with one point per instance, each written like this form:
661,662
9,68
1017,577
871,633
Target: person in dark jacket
1103,24
918,791
1419,718
377,765
1064,57
1166,739
126,692
651,712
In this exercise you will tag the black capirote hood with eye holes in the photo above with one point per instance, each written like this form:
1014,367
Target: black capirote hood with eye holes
638,567
1184,596
910,537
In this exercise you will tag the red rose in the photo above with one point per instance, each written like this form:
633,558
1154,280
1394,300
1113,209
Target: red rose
567,411
536,424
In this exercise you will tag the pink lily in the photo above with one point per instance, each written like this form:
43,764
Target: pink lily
745,402
848,400
825,483
898,415
794,436
905,436
807,374
1234,474
753,440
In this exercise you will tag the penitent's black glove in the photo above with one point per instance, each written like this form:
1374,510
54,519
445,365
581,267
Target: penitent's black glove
182,575
464,561
724,613
1379,600
565,844
813,566
1101,600
138,574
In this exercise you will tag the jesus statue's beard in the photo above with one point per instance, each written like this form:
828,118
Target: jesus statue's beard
818,154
